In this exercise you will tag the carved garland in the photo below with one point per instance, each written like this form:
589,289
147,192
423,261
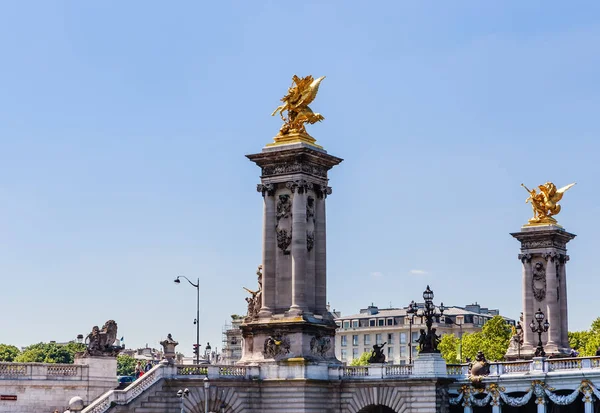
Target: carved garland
291,167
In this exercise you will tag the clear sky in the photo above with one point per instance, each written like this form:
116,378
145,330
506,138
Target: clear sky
124,125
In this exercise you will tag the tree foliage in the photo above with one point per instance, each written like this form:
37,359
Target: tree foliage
493,340
49,353
8,352
125,365
586,342
450,348
363,360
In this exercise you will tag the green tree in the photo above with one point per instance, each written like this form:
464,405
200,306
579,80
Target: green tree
8,352
46,353
586,342
125,365
578,340
363,360
450,348
493,340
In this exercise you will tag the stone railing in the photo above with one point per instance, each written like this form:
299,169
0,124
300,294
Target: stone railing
42,371
538,365
158,372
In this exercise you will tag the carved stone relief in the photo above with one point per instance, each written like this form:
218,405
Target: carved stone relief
310,240
323,190
310,223
284,239
301,185
525,258
284,223
292,167
545,243
538,282
268,189
276,345
320,345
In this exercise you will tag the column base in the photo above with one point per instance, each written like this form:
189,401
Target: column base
295,311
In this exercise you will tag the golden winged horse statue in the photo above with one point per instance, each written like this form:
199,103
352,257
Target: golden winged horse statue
545,202
302,92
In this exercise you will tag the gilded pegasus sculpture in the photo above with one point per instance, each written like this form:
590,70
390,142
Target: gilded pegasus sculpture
545,202
302,92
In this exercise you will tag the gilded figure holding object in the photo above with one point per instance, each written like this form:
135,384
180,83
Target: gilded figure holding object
545,202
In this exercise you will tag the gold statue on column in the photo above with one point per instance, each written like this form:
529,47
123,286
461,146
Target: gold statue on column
545,203
302,92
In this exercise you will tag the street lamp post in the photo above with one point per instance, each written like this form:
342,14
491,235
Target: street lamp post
429,313
541,327
197,320
412,310
183,394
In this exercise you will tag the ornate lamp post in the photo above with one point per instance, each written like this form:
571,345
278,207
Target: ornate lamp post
541,327
197,320
428,342
411,312
183,394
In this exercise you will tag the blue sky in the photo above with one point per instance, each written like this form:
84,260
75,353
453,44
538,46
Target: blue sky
124,125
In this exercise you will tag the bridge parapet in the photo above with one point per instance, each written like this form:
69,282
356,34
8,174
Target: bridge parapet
42,371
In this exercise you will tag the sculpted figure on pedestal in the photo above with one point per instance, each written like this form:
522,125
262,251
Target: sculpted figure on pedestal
377,355
100,342
255,301
545,202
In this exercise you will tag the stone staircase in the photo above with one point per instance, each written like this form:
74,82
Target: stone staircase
159,398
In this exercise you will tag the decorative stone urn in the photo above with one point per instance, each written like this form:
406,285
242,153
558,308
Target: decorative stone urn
169,349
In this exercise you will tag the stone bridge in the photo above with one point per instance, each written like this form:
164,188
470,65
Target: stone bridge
230,389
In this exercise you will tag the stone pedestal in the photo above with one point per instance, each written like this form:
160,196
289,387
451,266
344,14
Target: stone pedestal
293,321
544,286
429,365
102,375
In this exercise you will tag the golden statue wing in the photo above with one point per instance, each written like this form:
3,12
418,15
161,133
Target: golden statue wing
560,192
309,90
250,291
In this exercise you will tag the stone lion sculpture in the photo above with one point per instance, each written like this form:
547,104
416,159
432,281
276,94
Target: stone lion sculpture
100,342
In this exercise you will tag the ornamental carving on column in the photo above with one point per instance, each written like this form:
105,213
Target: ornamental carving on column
323,190
538,282
276,345
284,206
284,223
525,258
550,256
284,239
320,345
268,189
310,240
301,185
310,209
563,258
292,167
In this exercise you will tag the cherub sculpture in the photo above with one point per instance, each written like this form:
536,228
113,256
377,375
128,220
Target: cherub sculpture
545,202
300,95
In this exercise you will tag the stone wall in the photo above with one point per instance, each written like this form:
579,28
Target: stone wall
41,387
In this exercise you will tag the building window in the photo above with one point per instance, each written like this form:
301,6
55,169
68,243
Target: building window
402,338
338,324
344,341
390,339
378,339
367,339
363,323
390,321
402,352
354,353
390,353
354,323
355,340
372,323
381,322
460,320
344,355
415,336
346,324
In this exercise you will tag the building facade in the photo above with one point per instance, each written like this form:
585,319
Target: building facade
358,333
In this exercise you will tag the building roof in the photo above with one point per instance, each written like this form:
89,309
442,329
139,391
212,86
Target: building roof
401,312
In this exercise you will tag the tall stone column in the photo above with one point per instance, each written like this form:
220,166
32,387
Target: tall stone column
527,301
269,249
562,293
544,286
299,252
321,251
552,307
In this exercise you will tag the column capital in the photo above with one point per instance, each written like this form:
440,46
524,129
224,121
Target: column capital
301,185
268,189
525,258
550,256
563,258
323,190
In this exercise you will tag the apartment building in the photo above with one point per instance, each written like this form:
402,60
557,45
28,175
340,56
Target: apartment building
358,333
